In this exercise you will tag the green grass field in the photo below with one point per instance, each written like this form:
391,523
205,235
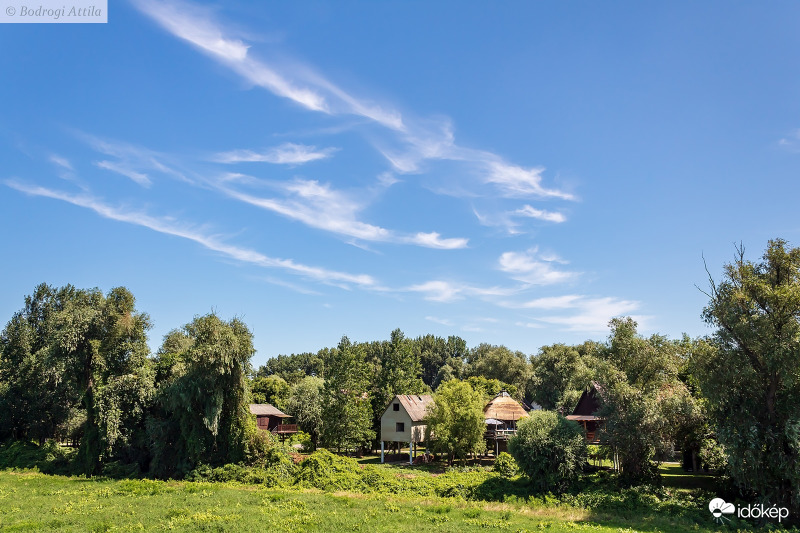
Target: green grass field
31,501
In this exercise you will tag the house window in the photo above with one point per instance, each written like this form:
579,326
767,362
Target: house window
400,427
396,407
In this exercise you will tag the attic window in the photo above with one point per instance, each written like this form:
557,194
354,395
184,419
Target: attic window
396,406
400,427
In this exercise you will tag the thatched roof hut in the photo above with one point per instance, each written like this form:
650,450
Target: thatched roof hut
504,407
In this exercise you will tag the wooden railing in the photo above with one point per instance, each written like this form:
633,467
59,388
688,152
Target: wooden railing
500,433
285,428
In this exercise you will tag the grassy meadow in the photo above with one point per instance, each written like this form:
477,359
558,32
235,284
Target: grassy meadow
32,501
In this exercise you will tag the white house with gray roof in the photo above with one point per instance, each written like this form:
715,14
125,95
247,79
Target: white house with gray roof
403,421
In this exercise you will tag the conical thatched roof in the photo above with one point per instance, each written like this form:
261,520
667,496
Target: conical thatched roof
504,407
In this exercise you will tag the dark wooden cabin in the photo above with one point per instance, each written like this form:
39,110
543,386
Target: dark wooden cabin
585,413
270,418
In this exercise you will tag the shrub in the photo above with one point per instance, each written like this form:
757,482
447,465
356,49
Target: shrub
50,458
326,471
549,449
505,465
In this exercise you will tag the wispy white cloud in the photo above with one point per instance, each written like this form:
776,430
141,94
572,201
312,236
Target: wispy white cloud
580,313
791,142
442,321
133,162
320,206
434,240
211,242
60,161
521,182
593,314
138,177
285,154
533,268
198,26
416,139
532,212
449,291
439,290
566,301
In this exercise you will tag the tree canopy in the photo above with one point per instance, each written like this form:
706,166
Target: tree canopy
752,381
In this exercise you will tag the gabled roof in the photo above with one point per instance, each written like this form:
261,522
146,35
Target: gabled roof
504,407
416,405
265,409
590,401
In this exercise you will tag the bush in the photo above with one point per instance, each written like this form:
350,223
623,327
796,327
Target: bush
326,471
505,465
550,450
50,458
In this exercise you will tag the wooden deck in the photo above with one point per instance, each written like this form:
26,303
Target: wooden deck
284,429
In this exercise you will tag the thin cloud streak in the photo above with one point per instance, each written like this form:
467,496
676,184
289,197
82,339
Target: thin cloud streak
593,314
548,216
208,241
196,25
425,139
449,291
60,161
533,268
137,177
132,161
322,207
285,154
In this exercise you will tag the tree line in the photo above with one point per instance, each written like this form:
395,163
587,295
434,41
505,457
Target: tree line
75,366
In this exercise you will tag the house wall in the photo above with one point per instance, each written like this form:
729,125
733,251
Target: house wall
389,420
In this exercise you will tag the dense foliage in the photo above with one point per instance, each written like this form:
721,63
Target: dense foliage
455,423
752,381
77,356
75,369
549,449
346,411
202,415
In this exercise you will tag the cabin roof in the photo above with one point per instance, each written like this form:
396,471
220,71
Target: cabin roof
504,407
416,405
590,401
265,409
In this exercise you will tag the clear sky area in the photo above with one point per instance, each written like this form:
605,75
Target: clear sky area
514,172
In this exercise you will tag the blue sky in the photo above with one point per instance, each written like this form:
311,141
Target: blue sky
514,173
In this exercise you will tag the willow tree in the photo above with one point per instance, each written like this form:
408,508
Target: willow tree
202,413
78,349
752,381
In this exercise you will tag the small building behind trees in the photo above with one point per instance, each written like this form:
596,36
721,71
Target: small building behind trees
585,413
403,421
502,414
270,418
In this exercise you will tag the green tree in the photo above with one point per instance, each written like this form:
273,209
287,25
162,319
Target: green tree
398,372
500,363
90,351
436,353
270,389
752,382
646,406
490,387
35,399
346,410
305,405
561,373
203,414
455,423
295,367
549,449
